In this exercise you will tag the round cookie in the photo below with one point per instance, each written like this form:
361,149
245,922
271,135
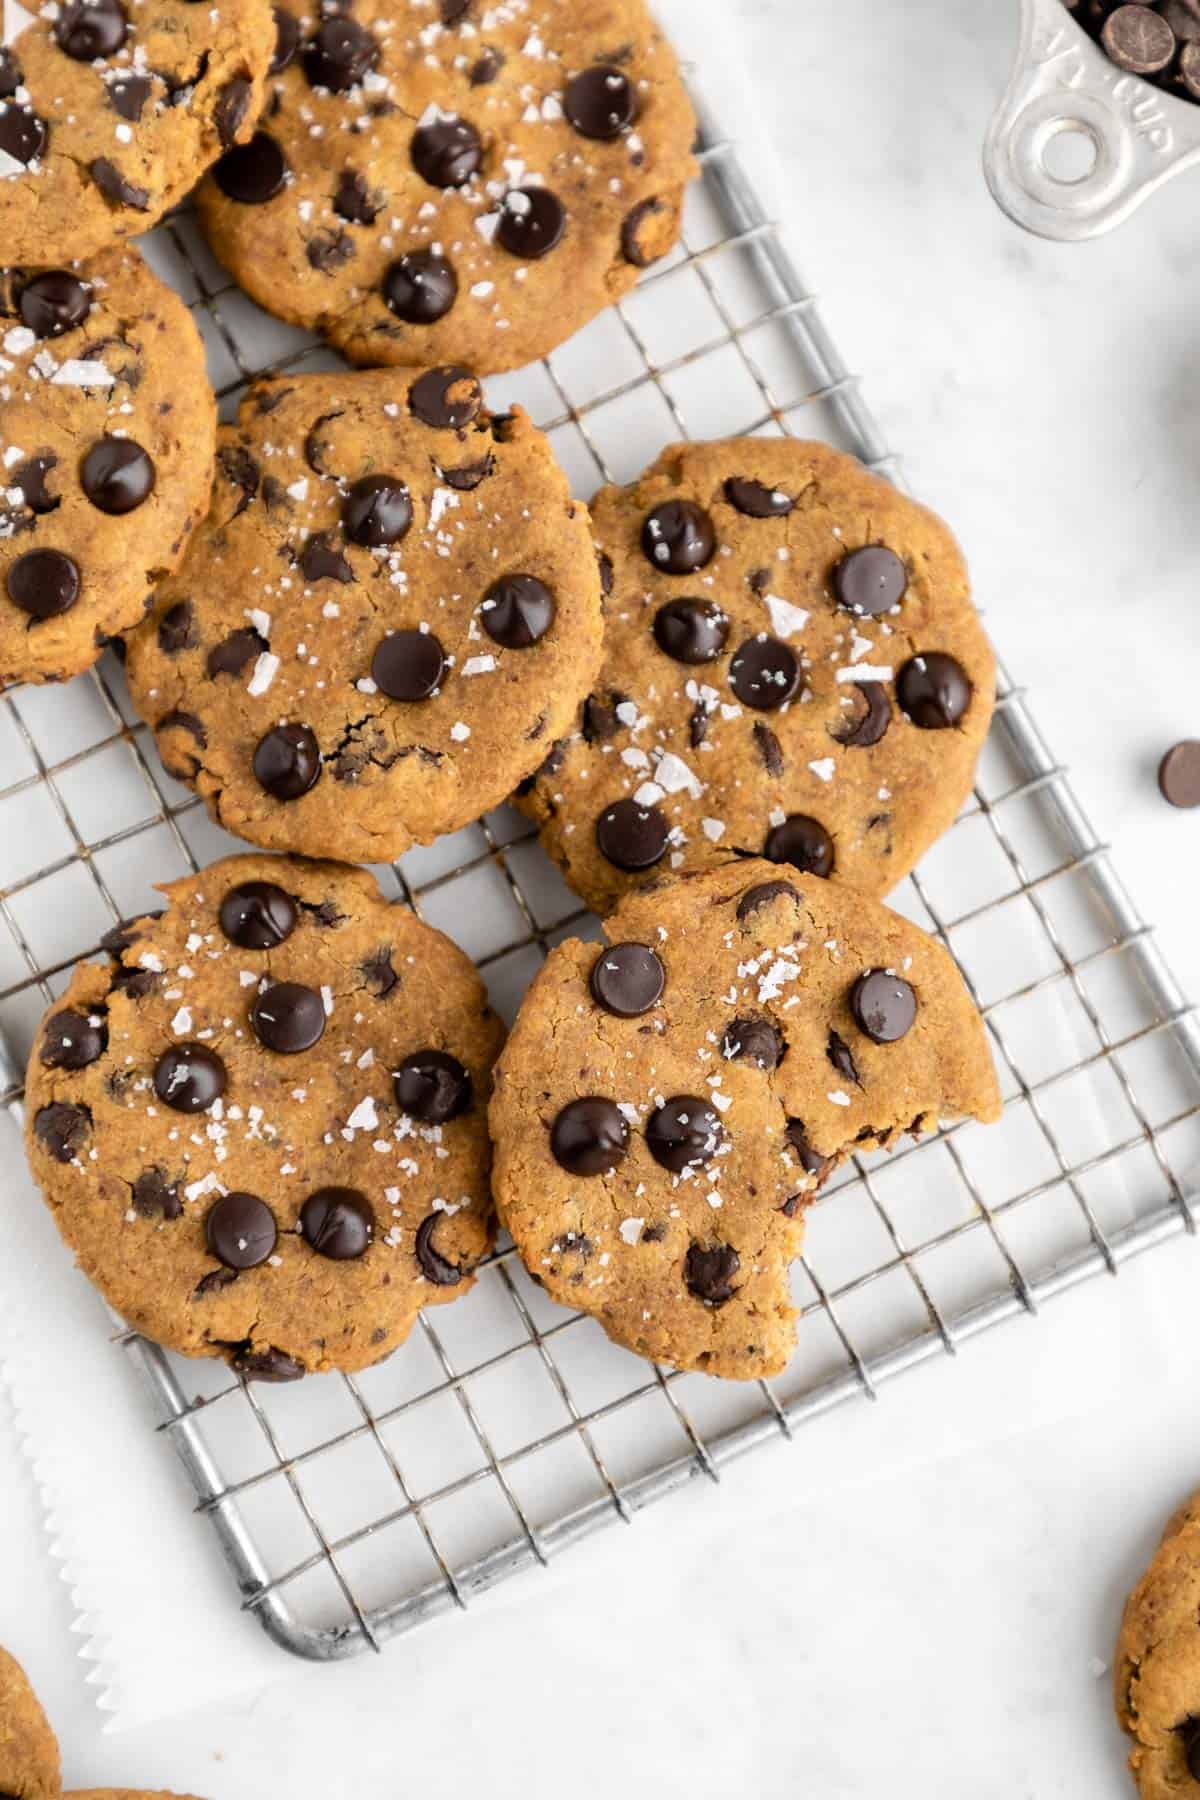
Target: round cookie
391,612
107,432
742,1032
1156,1674
262,1127
29,1762
793,668
110,110
449,179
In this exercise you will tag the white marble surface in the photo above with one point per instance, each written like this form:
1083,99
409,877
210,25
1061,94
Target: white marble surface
938,1633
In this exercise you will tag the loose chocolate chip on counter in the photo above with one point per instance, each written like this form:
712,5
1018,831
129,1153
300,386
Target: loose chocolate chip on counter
628,980
754,1041
288,1017
884,1006
842,1058
432,1086
803,842
265,1365
756,500
257,915
408,665
337,1222
54,302
420,287
769,749
589,1137
88,29
446,399
354,200
447,152
632,837
229,112
600,102
1138,40
72,1040
765,673
252,173
678,537
709,1273
933,690
231,655
1179,774
684,1133
517,610
321,560
43,583
870,581
340,54
117,475
871,720
24,134
636,254
155,1196
287,761
128,94
287,39
240,1230
532,223
377,511
63,1130
117,188
691,631
434,1266
189,1077
765,894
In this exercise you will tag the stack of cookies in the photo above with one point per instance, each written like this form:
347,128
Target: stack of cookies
740,698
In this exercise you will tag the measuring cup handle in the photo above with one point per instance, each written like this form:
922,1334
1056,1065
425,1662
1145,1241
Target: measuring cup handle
1063,82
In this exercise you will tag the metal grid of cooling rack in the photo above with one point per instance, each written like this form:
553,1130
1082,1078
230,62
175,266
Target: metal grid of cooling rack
351,1509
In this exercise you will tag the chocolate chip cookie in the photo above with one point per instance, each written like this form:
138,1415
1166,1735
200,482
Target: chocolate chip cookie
1156,1675
450,179
110,110
793,668
29,1762
669,1103
391,612
107,432
262,1126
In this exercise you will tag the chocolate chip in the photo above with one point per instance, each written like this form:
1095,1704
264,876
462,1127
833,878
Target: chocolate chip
155,1196
72,1040
678,537
517,610
177,629
755,500
288,1017
447,152
764,894
871,720
684,1133
215,1282
340,54
265,1365
11,77
691,631
1138,40
600,102
769,748
242,469
709,1273
628,980
842,1058
379,974
486,68
765,673
803,842
354,200
635,252
54,302
884,1006
446,399
532,223
117,188
287,761
453,12
128,95
589,1137
43,583
604,563
754,1041
1179,774
811,1161
432,1086
117,475
420,287
600,721
466,479
231,655
337,1222
933,690
30,478
632,837
252,173
189,1077
23,133
88,29
408,665
229,112
330,250
321,560
377,511
119,937
1189,75
870,581
287,39
434,1266
62,1130
240,1230
1190,1733
257,915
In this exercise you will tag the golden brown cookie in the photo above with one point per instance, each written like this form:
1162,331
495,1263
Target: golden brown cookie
1156,1676
793,668
29,1764
451,179
110,110
667,1105
391,611
107,432
262,1127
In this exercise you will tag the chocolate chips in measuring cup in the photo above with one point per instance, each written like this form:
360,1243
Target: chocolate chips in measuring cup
1158,43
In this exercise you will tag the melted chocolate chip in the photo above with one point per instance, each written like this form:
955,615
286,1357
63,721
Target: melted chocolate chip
337,1222
769,748
933,690
127,932
604,563
884,1006
11,77
156,1196
377,511
242,469
600,102
24,134
117,188
532,223
756,500
637,254
231,655
340,54
264,1365
229,112
765,673
842,1058
330,250
678,537
189,1077
30,478
628,980
408,665
870,581
453,12
432,1086
485,68
215,1282
117,475
764,894
72,1040
288,1018
517,610
240,1231
287,761
803,842
811,1161
128,95
1190,1732
434,1266
632,837
54,302
420,287
447,399
684,1133
691,631
354,200
88,29
872,719
709,1274
321,560
589,1137
379,974
466,479
252,173
600,721
257,915
62,1130
447,152
287,39
43,583
177,629
754,1041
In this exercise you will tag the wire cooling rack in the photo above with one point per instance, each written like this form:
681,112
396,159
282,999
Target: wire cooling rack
351,1509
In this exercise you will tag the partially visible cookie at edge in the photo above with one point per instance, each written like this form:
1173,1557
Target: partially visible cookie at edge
29,1761
107,435
1156,1674
793,668
668,1104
